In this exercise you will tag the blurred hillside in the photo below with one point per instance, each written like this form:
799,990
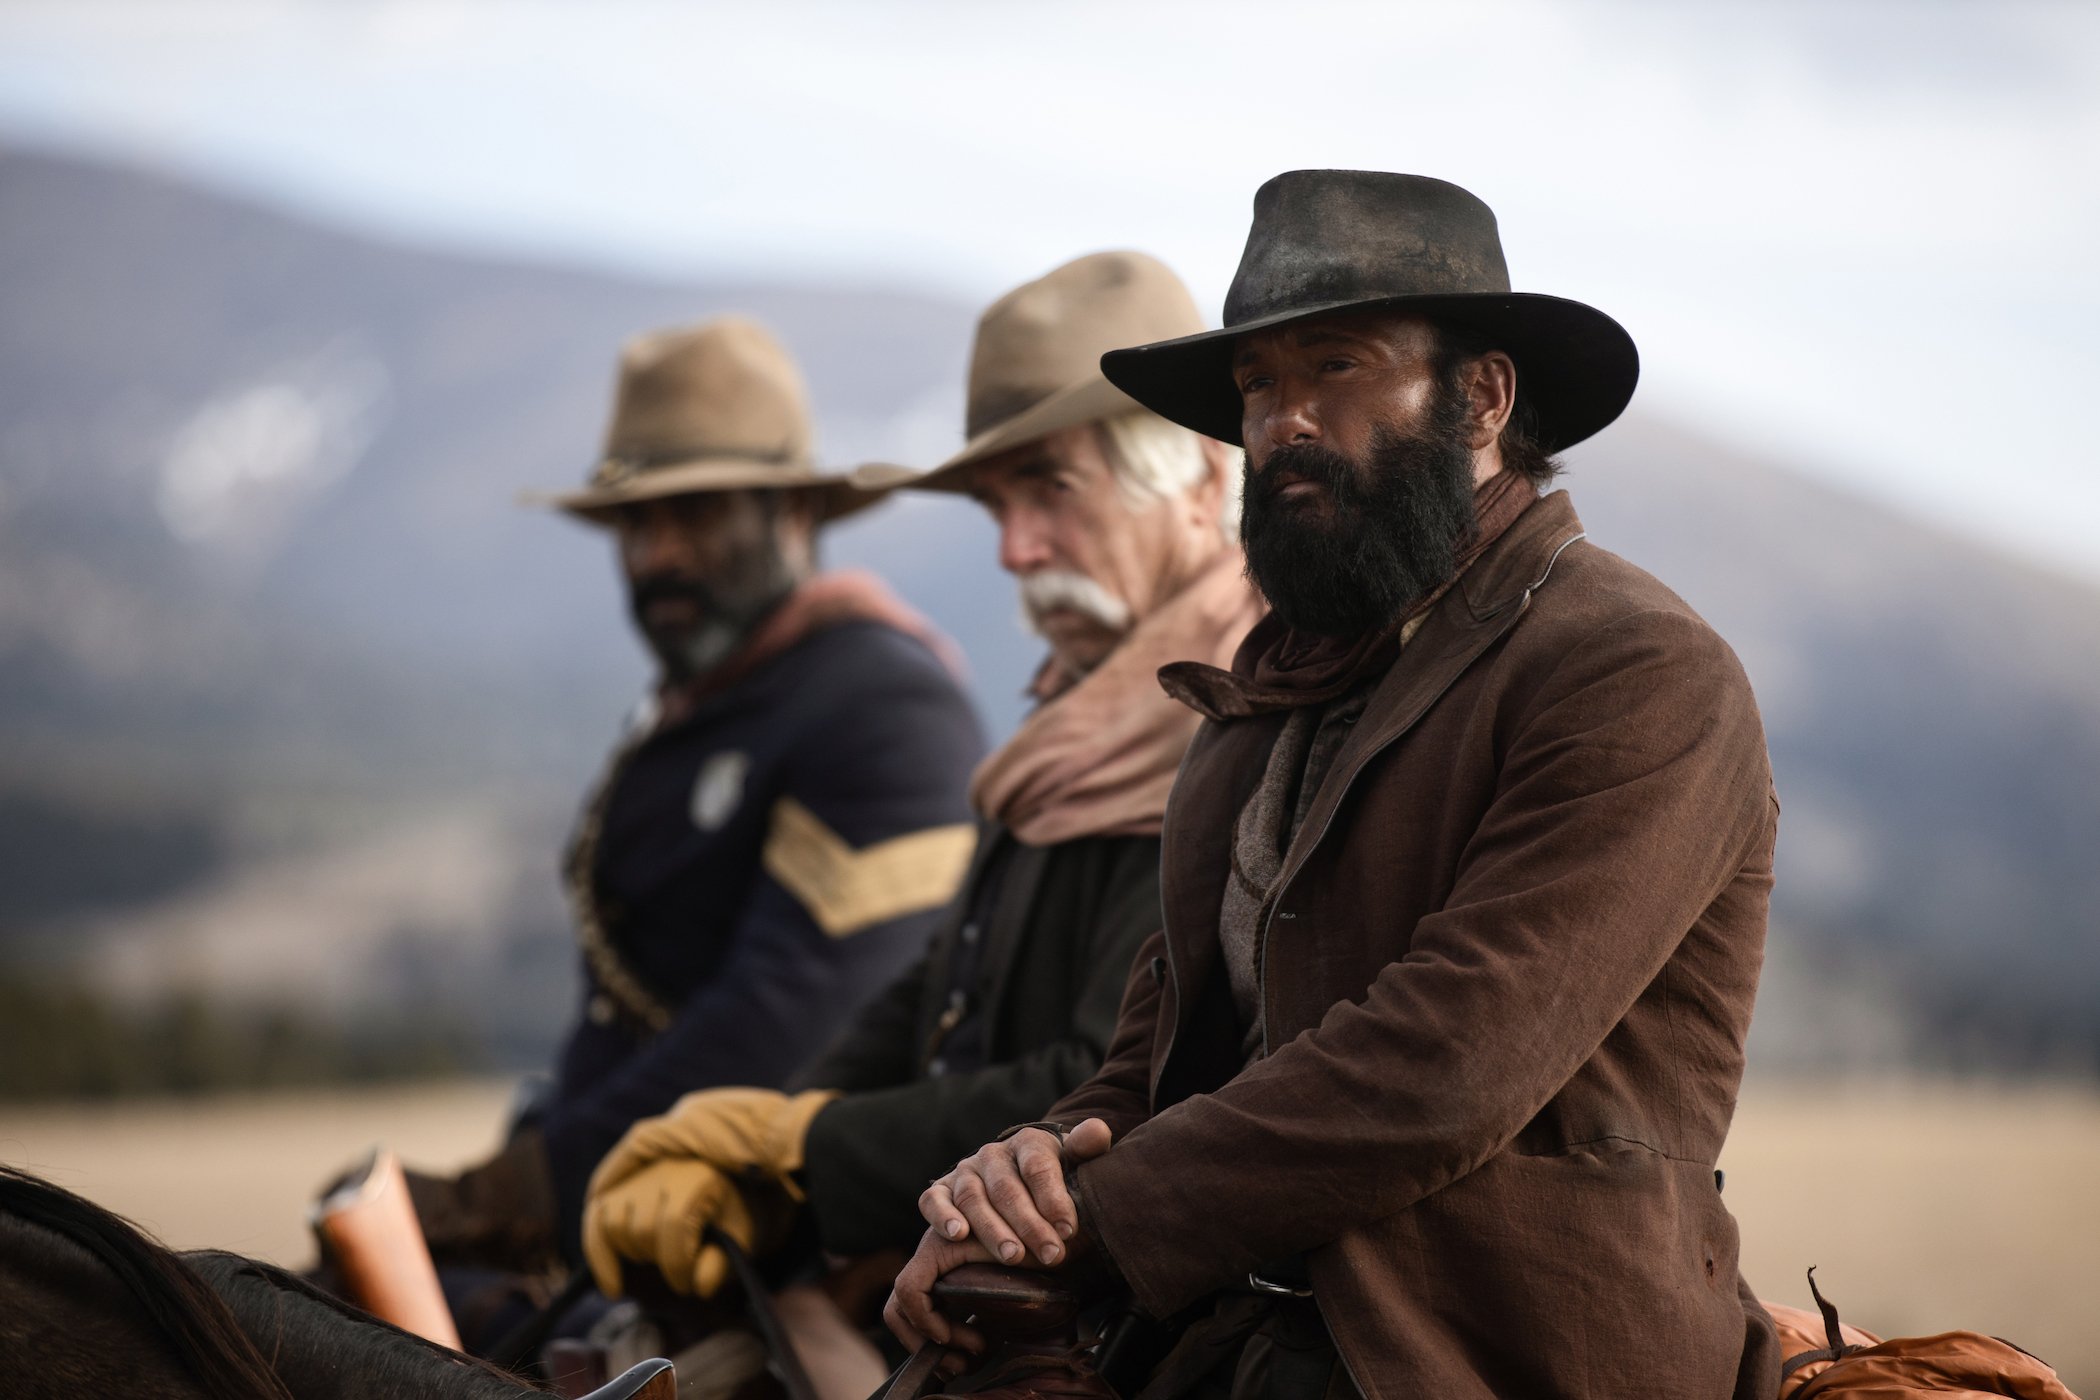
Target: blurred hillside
295,704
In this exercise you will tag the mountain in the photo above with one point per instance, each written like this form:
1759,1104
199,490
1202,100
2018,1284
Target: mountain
1934,717
295,703
294,697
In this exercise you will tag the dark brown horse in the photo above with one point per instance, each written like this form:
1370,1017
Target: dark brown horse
91,1306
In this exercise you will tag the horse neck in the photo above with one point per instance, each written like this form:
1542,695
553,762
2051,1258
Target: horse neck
324,1350
69,1326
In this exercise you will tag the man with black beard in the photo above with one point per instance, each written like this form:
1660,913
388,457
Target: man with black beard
775,836
1420,1090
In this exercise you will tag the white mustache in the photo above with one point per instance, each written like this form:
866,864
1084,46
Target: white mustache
1052,589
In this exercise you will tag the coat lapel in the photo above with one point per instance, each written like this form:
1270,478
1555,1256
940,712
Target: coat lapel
1494,594
1223,764
1005,921
940,950
1219,772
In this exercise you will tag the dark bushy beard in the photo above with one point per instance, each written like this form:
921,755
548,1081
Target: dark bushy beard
1388,534
730,609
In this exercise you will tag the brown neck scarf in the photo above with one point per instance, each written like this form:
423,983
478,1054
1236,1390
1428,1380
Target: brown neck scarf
1096,757
1279,669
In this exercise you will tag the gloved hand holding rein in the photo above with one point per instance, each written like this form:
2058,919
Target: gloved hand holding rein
721,1157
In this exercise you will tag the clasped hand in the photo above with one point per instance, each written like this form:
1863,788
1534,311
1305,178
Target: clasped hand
1006,1203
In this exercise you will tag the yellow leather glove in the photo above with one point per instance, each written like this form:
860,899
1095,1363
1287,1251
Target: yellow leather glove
736,1131
659,1215
672,1176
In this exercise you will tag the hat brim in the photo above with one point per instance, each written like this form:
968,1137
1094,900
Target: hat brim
1576,366
839,494
1089,401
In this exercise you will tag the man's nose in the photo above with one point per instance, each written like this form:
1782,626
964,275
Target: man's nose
1024,546
1293,421
651,546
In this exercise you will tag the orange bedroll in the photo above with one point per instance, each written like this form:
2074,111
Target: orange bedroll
368,1228
1897,1368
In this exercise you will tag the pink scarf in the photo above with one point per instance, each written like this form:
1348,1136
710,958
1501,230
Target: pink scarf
1098,756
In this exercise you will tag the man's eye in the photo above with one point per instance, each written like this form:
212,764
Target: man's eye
1255,381
1335,364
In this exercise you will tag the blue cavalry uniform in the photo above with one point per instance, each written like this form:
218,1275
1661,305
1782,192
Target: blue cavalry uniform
744,878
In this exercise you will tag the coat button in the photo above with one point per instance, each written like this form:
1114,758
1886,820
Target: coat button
600,1009
1159,972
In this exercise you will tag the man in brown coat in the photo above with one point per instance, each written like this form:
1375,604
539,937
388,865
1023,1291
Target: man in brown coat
1421,1089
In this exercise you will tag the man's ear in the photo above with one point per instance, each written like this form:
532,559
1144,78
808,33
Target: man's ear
1491,396
795,526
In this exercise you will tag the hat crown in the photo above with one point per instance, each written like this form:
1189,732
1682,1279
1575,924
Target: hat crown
723,390
1331,237
1048,335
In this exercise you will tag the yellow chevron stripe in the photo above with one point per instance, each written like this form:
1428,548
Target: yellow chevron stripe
846,890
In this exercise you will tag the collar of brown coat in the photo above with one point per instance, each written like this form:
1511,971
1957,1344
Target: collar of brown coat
1490,599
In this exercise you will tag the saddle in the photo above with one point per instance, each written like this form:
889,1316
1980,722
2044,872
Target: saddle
1035,1350
650,1380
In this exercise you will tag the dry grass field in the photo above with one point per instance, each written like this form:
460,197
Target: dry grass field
1924,1207
237,1172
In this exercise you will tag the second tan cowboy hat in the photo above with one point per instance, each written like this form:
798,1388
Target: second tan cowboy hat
1328,241
1035,366
715,407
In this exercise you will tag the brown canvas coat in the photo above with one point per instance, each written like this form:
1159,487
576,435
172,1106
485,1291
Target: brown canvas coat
1507,975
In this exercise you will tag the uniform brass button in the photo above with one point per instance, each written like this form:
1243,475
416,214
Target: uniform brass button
600,1010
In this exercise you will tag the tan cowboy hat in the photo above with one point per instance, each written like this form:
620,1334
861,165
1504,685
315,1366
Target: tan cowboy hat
714,407
1036,364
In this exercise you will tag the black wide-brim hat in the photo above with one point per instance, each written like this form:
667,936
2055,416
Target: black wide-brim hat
1328,241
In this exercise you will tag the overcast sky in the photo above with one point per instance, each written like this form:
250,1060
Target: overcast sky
1859,238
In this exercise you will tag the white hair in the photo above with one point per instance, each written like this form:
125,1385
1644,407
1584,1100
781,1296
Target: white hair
1047,590
1154,460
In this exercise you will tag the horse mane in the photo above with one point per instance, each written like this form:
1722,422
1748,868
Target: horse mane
179,1304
